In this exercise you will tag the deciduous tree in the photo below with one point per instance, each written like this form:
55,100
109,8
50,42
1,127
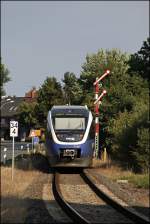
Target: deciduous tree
27,116
5,77
140,61
72,89
125,106
49,94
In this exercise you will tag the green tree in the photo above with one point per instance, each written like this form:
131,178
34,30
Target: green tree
27,116
124,131
4,78
49,94
141,152
117,98
124,108
72,89
96,65
140,61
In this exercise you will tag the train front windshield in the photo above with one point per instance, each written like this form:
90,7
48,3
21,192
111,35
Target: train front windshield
70,119
69,123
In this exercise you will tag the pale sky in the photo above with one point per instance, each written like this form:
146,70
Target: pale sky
40,39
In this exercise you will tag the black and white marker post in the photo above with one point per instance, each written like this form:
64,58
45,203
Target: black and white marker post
13,134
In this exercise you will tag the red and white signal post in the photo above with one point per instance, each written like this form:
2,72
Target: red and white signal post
97,103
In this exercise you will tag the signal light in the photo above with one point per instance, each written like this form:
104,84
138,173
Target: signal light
104,91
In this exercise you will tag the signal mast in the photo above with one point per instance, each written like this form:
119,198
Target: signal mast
97,102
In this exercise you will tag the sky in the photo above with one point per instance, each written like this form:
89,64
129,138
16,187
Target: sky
42,39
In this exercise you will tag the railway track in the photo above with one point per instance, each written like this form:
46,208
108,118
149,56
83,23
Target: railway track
69,210
76,215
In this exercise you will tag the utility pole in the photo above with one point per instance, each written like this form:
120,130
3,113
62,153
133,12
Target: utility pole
97,102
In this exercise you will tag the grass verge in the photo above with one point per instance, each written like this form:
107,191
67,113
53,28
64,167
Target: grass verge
115,172
139,180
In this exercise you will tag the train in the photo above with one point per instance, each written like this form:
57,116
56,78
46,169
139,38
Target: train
70,136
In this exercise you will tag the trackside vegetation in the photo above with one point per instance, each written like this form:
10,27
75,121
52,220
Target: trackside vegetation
124,113
5,77
139,180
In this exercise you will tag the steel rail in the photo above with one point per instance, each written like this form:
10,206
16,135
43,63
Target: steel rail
71,212
133,215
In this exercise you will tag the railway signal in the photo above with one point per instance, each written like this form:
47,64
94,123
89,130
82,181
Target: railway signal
97,102
102,77
100,97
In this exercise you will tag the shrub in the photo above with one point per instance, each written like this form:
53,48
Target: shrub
141,152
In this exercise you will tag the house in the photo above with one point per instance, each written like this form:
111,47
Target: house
31,96
9,111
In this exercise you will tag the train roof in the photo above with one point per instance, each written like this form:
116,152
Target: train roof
70,110
69,107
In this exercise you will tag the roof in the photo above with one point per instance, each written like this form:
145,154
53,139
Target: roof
9,106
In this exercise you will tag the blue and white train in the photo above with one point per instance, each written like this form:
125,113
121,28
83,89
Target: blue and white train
70,136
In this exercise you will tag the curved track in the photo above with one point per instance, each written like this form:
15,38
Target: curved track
78,218
72,213
133,215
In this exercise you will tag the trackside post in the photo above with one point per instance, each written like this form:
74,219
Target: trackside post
5,155
32,135
13,134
